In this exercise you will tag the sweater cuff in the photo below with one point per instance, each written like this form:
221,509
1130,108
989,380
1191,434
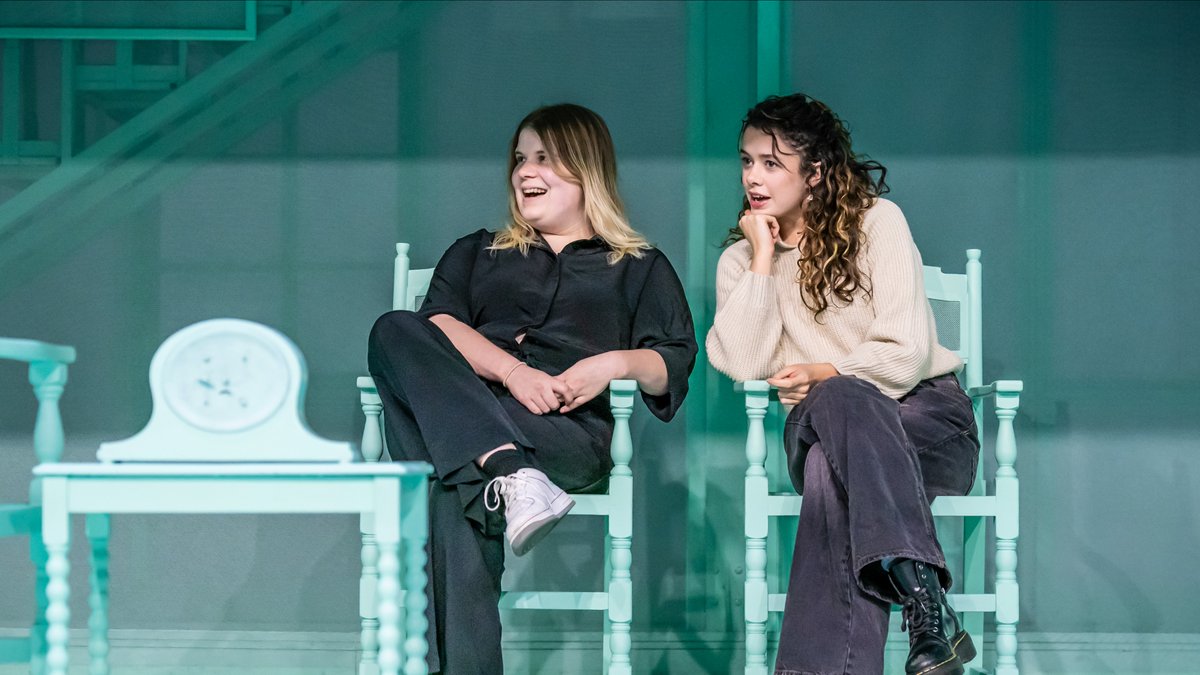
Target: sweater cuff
889,387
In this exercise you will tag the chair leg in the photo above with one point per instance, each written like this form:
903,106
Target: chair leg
756,524
619,625
974,573
1008,606
756,590
756,606
606,663
98,531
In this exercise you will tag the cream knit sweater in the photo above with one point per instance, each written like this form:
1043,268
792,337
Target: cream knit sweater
889,340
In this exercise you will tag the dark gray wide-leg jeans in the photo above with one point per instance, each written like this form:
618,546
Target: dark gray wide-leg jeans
437,410
868,467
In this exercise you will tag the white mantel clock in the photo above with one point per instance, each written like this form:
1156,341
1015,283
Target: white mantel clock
227,390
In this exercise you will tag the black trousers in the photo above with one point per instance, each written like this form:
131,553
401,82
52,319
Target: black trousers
436,409
868,467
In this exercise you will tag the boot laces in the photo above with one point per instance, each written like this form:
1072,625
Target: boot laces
921,614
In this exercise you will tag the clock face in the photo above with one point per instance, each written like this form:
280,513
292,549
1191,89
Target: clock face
225,380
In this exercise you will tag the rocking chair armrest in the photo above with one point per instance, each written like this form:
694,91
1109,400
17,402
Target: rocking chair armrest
742,386
628,387
756,388
366,386
34,351
999,387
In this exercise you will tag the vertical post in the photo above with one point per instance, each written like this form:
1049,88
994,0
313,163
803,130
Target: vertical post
974,527
772,70
756,524
123,67
769,47
721,85
252,17
620,532
48,379
696,578
372,438
11,136
400,298
66,145
1007,528
98,533
1037,193
181,62
975,318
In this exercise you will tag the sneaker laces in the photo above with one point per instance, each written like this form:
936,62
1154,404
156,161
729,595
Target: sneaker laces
506,487
496,488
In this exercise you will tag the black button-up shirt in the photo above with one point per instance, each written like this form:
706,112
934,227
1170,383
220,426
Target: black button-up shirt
569,306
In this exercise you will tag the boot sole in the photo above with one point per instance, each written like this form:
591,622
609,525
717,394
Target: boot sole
536,528
963,647
953,666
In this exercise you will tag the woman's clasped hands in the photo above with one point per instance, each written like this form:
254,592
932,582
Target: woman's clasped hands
541,392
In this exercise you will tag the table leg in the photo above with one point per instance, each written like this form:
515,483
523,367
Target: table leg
56,537
387,537
98,530
368,663
414,526
37,632
389,608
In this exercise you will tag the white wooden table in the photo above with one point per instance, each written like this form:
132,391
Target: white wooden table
390,499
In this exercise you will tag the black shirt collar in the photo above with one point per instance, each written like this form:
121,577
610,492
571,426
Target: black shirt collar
594,244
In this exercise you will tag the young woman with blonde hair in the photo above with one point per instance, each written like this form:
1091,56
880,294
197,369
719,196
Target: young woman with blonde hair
499,379
822,294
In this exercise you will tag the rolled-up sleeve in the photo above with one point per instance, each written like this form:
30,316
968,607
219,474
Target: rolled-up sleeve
449,289
662,321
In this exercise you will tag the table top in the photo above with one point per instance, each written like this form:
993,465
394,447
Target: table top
231,469
33,350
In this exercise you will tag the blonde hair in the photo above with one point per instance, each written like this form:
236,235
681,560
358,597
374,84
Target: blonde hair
578,141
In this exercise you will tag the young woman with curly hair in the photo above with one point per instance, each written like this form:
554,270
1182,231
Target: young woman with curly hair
821,293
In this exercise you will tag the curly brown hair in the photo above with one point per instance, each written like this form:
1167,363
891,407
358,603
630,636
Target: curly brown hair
833,218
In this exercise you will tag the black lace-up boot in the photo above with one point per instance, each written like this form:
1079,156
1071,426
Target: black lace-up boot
937,644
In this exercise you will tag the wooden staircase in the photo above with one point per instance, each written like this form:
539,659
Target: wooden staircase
173,119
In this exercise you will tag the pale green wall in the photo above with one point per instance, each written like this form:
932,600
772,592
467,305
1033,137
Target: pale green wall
1059,137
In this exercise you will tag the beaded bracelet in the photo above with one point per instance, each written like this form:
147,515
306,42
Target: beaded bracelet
504,382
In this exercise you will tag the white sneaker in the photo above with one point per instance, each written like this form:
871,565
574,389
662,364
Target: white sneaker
533,505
